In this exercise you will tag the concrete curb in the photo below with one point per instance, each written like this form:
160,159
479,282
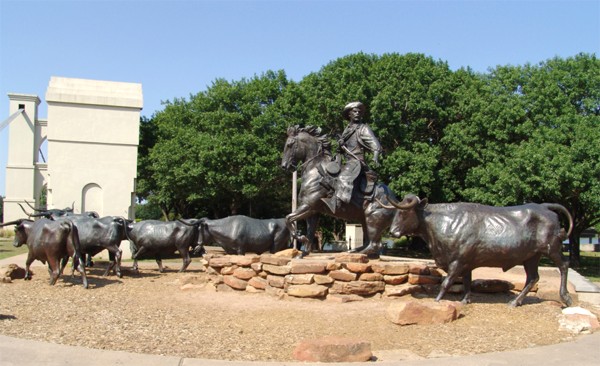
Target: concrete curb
583,351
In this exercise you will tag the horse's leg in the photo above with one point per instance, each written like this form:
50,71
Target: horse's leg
302,212
375,221
311,227
371,237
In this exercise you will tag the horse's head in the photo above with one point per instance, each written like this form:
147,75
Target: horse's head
303,144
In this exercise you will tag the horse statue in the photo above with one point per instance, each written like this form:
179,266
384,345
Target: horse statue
319,170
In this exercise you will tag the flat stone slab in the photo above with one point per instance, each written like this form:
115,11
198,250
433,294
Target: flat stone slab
581,283
333,349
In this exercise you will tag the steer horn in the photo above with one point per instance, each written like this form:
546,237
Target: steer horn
45,214
191,222
33,208
15,222
389,207
22,208
409,201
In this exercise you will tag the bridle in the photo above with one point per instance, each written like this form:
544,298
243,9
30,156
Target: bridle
304,163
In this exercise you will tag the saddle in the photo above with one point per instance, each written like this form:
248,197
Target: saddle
334,177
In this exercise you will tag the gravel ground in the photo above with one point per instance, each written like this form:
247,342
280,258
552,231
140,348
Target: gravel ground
149,313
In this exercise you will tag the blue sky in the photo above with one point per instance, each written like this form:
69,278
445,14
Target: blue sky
178,48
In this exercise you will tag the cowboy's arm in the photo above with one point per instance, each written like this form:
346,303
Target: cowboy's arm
369,141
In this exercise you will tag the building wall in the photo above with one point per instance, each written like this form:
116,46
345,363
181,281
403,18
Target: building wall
20,169
92,133
354,235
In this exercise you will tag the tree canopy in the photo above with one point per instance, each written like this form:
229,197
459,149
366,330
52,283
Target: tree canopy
516,134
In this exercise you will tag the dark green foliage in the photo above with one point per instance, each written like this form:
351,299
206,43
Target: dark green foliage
148,211
215,154
516,134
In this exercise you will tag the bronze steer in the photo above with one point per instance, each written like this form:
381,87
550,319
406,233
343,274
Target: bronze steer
240,234
465,236
95,235
49,241
161,238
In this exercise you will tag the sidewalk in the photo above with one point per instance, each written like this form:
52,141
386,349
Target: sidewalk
584,350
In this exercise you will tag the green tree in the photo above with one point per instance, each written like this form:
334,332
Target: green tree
533,135
560,161
411,107
215,154
148,211
515,134
407,98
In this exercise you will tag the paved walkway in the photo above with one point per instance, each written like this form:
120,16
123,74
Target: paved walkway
584,350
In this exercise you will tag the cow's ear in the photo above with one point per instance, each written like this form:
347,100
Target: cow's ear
423,203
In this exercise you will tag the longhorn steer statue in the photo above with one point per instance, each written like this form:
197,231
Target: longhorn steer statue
465,236
49,241
162,238
240,234
95,235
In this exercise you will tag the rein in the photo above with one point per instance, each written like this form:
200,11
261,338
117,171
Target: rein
305,163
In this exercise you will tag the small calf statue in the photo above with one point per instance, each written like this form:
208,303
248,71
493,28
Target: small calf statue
465,236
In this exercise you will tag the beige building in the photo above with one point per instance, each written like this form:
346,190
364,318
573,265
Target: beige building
354,236
92,134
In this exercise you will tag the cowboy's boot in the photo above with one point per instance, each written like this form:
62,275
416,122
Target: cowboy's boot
331,202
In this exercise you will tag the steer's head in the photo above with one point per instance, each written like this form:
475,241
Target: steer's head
22,227
203,234
407,219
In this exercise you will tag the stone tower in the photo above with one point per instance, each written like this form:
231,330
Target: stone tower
24,173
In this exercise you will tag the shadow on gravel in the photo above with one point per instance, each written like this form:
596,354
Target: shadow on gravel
485,298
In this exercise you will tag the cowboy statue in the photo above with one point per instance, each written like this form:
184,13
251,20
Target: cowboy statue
356,138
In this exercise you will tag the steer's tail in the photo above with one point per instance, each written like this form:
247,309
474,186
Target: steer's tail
561,209
78,261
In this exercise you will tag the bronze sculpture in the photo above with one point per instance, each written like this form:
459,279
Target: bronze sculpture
464,236
320,178
356,138
239,234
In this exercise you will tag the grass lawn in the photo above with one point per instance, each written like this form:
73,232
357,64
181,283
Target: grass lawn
589,266
8,250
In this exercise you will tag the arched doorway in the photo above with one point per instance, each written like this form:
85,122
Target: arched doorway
92,198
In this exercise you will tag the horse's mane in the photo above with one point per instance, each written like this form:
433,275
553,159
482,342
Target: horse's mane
323,139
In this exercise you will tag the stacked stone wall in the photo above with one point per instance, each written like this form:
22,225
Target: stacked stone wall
343,276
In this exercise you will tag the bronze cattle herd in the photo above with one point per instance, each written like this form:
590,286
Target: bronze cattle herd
61,234
460,236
